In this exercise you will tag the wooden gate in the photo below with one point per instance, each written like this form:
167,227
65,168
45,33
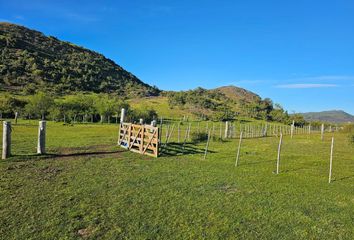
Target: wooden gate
143,139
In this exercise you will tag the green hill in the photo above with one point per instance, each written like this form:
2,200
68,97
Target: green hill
224,103
334,116
31,61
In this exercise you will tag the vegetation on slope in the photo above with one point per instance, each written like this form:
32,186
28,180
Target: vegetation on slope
228,103
32,61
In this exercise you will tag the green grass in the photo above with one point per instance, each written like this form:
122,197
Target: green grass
159,104
115,194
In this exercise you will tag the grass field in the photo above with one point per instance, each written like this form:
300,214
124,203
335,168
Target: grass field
159,104
87,187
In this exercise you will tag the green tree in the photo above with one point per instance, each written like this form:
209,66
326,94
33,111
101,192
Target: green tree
104,105
39,104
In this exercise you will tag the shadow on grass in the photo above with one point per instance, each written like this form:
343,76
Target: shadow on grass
171,149
27,157
344,178
177,149
245,163
295,169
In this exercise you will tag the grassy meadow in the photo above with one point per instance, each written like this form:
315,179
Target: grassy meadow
160,104
88,187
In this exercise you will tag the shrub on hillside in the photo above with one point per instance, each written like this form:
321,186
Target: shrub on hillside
199,137
351,138
350,130
146,114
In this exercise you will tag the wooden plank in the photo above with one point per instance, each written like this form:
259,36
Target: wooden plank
135,137
143,139
149,142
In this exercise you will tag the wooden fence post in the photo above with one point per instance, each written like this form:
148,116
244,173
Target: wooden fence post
330,162
167,130
292,129
16,117
189,131
6,140
41,137
220,131
179,132
310,129
207,145
169,134
142,135
265,132
238,150
185,138
279,150
122,116
226,129
322,131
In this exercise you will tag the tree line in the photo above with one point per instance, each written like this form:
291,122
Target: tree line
73,108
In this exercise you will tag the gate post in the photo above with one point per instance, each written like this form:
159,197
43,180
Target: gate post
122,115
6,140
226,129
41,137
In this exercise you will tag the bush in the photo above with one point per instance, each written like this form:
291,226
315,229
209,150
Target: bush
146,114
350,130
351,138
199,137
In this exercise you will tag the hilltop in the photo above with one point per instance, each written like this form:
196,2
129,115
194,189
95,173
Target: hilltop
30,61
237,93
333,116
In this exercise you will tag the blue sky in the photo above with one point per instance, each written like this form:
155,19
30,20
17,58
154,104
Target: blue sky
299,53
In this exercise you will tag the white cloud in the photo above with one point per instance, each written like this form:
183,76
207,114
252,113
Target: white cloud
306,85
327,78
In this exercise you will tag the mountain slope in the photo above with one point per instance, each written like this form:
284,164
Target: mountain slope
238,94
31,61
335,116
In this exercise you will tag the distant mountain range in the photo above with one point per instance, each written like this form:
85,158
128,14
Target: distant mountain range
334,116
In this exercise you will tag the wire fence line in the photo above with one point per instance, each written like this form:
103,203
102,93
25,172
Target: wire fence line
63,135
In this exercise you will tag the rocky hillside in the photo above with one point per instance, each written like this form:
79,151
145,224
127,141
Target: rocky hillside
31,61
